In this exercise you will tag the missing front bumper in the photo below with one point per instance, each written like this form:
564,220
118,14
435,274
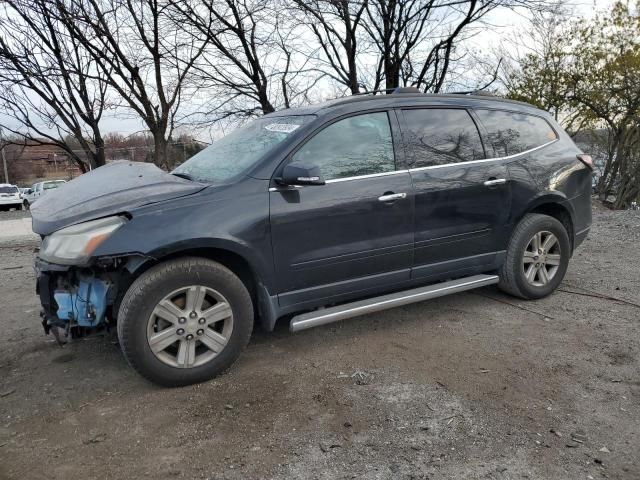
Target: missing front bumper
72,300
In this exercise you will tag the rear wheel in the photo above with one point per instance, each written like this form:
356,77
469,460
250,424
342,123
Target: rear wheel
185,321
26,204
537,257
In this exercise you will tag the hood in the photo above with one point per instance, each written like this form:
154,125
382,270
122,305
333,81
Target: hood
114,188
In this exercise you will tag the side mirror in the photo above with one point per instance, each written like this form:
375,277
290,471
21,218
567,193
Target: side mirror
297,173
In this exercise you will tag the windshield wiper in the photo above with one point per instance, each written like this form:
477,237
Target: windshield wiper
186,176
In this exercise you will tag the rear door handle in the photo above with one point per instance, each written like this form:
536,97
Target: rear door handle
495,181
390,197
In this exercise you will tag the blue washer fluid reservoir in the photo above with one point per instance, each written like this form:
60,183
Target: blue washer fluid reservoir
85,305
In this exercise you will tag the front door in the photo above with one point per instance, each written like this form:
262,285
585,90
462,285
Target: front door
354,234
462,200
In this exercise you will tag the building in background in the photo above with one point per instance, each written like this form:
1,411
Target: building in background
31,163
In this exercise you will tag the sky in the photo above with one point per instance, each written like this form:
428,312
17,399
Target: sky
505,24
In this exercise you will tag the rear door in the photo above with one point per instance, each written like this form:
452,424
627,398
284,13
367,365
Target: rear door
462,198
354,234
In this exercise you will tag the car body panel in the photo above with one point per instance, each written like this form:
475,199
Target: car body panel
340,231
227,217
112,189
458,216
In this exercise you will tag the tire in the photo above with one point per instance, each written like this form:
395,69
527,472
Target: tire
172,284
522,259
26,205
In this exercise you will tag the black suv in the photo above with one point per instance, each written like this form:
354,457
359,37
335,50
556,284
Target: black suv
319,214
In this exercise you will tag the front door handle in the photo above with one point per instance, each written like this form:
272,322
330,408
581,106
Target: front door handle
390,197
495,181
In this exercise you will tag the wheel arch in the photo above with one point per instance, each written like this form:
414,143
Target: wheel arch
233,256
556,206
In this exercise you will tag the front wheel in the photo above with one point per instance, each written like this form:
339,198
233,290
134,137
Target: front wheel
185,321
537,257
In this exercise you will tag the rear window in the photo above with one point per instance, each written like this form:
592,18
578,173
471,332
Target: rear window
511,133
440,136
50,185
5,189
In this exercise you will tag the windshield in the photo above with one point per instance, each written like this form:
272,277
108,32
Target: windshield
8,189
241,149
50,185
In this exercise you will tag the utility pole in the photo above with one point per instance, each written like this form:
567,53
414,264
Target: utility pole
4,158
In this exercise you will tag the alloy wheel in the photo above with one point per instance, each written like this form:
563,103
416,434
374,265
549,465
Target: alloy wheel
190,326
541,259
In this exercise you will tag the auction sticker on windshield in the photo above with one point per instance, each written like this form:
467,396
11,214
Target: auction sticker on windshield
281,127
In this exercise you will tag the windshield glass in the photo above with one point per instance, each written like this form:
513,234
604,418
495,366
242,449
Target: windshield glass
241,149
50,185
10,189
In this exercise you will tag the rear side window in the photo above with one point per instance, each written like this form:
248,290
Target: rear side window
511,133
52,185
358,145
440,136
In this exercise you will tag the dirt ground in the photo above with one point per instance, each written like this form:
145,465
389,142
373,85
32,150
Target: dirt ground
476,385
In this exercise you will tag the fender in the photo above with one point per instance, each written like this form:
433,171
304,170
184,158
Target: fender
267,304
544,198
256,263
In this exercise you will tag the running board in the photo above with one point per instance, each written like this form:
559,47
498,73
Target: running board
384,302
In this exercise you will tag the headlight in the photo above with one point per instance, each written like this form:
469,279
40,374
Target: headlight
75,244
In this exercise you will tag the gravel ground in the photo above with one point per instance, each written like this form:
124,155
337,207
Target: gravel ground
476,386
13,214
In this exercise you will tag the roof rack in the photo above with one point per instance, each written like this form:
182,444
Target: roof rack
390,91
480,93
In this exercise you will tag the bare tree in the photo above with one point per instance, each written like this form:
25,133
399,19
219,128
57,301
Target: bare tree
414,42
418,40
251,58
145,57
542,50
336,26
50,87
230,30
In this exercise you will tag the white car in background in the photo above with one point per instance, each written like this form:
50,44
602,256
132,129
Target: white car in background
39,189
10,197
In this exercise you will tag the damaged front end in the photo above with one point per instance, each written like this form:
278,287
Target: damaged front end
84,261
79,301
78,292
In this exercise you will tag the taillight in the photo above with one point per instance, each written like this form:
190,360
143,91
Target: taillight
586,159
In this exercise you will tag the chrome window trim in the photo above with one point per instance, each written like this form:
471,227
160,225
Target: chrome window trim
471,162
484,160
371,175
286,188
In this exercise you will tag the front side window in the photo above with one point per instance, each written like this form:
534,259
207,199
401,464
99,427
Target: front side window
241,149
354,146
436,136
511,133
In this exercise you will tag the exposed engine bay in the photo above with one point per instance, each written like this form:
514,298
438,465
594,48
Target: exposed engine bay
78,302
